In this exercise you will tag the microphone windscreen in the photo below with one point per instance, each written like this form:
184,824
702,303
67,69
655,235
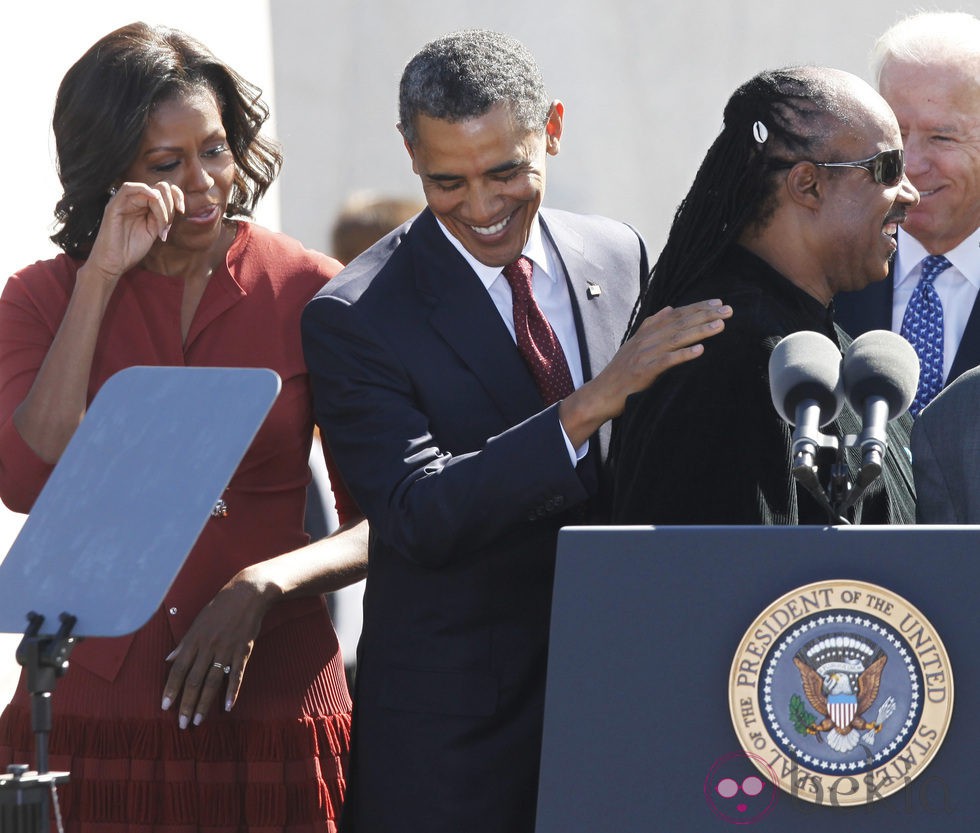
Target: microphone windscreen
881,363
806,365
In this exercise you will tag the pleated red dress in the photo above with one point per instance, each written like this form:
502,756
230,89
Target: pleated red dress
276,762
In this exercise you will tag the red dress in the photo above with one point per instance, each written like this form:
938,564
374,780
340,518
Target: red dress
276,762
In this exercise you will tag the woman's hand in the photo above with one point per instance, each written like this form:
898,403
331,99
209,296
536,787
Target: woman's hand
222,635
136,216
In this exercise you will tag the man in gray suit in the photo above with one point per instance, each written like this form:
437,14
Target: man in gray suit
928,69
464,369
946,455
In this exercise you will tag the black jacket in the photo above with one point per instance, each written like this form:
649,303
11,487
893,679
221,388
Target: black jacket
705,445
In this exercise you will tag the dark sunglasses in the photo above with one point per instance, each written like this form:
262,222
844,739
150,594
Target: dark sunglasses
887,167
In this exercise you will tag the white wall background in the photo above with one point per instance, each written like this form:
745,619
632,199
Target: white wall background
643,81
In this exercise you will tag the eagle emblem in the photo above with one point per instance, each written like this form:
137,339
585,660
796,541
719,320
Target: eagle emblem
841,676
833,671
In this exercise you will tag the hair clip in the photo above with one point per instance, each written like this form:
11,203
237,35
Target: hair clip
760,132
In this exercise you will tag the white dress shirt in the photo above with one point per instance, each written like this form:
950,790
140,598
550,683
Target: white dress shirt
551,293
957,287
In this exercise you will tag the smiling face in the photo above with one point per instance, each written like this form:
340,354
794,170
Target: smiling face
484,178
859,216
185,144
938,110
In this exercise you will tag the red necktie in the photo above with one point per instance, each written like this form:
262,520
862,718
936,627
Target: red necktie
535,339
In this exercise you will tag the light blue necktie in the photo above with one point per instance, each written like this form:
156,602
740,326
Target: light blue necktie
923,327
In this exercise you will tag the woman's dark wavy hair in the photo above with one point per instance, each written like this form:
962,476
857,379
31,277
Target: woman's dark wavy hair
736,184
101,112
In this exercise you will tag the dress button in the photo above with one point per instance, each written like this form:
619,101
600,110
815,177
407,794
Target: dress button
173,611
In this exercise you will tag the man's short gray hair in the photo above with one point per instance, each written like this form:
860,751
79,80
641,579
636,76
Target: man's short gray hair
928,37
462,75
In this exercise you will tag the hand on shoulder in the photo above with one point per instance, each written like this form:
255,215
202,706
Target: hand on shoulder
665,339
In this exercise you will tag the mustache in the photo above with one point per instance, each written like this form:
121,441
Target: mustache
899,215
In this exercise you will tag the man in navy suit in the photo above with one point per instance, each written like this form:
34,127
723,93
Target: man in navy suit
462,451
928,70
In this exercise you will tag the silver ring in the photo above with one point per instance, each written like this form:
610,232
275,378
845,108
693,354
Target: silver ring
225,669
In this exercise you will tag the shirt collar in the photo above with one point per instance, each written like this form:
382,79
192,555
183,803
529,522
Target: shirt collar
965,257
534,249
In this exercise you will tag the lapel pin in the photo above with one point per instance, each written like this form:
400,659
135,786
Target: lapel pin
593,290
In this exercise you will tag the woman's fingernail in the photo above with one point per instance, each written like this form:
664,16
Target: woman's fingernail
171,655
198,719
164,233
228,705
182,721
166,704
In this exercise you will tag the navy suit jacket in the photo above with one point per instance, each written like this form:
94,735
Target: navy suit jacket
871,309
444,442
946,455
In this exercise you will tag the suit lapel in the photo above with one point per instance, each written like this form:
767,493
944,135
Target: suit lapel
867,309
882,300
968,352
467,320
595,296
598,299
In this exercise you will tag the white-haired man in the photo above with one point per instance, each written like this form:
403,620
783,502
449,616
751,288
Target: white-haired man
928,69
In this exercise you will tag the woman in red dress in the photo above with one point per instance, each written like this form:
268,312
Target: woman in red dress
228,710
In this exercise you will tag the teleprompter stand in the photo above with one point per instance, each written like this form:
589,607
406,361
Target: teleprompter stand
24,794
111,529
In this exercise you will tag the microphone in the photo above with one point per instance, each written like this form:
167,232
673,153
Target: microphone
807,390
881,373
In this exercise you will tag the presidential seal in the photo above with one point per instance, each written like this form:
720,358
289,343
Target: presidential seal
844,689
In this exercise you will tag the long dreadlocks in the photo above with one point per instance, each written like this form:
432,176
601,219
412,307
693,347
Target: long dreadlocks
771,122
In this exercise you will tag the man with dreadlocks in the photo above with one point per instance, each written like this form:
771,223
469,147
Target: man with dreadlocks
777,221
